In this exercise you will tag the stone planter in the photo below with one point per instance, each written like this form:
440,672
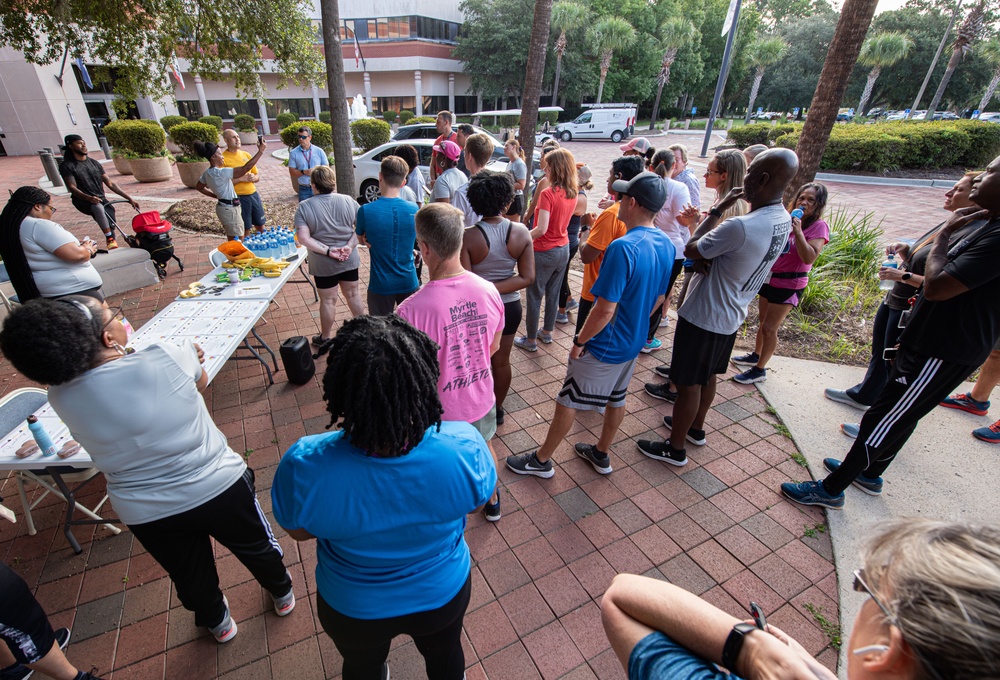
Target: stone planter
191,172
151,169
121,165
248,138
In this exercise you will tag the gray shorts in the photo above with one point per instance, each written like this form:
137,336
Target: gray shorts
487,425
231,218
591,384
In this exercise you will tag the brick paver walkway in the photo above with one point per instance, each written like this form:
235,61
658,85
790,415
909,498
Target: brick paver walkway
716,527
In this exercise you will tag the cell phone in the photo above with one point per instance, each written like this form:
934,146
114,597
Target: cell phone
758,616
889,353
260,137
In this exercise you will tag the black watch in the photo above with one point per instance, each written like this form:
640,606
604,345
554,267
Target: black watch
734,644
328,251
577,343
906,276
715,212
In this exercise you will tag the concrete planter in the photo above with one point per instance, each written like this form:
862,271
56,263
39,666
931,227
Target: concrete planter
121,165
248,138
151,169
191,172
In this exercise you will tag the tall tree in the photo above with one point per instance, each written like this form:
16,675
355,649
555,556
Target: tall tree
533,75
965,36
879,51
493,45
674,34
763,52
334,54
989,52
855,18
610,34
566,16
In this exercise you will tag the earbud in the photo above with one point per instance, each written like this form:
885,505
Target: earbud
880,649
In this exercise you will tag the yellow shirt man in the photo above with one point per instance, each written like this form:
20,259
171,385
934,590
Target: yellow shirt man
235,159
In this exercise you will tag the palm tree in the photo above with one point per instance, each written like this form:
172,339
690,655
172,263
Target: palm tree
333,52
674,34
566,16
879,51
965,36
764,52
537,47
610,34
990,53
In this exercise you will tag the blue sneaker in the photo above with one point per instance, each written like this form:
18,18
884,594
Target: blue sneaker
851,429
652,346
751,375
562,317
989,434
965,402
812,493
571,304
872,487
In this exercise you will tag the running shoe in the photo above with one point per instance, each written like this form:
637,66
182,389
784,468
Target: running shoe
571,304
112,243
589,452
544,338
749,359
652,346
872,487
284,605
663,371
965,402
851,429
661,391
990,434
751,375
664,322
696,437
844,398
812,493
225,631
528,464
562,317
525,344
492,510
662,451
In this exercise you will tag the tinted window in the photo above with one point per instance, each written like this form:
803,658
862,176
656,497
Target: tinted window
583,118
425,154
388,152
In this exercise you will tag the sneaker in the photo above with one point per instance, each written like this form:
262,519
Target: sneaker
544,338
525,344
851,429
283,606
872,487
62,637
562,317
652,346
500,415
112,243
589,452
492,510
661,391
663,451
696,437
16,672
989,434
663,371
812,493
965,402
844,398
572,304
749,359
751,375
226,630
528,464
318,340
664,322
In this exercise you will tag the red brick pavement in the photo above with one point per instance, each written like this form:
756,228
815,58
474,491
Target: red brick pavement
716,527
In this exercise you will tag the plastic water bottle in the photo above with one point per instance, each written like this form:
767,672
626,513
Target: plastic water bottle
41,436
798,213
886,284
272,245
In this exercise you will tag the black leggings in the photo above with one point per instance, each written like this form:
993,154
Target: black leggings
564,293
657,315
885,333
364,643
23,624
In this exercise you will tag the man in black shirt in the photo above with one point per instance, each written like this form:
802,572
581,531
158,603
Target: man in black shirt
85,178
950,332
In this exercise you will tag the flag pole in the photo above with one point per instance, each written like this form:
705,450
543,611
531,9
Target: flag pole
723,72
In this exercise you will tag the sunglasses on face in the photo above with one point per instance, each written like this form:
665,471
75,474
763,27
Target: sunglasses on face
861,586
303,136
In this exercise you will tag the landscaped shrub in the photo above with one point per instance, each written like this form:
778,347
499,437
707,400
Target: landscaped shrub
781,129
862,148
390,116
788,141
212,120
368,133
186,134
287,118
324,116
322,134
847,267
405,117
509,121
550,117
169,121
423,119
244,122
143,138
748,135
984,142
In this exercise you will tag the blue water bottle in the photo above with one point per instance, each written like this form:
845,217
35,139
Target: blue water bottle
272,245
798,213
41,436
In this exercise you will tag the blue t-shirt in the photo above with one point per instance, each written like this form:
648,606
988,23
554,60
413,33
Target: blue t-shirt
635,271
390,530
304,160
388,226
656,656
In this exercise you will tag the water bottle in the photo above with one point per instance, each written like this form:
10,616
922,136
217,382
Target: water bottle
798,213
272,245
886,284
41,436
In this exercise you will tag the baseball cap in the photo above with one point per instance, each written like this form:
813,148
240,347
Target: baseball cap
450,149
646,188
640,144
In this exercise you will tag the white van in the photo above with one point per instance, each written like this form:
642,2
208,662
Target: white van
599,123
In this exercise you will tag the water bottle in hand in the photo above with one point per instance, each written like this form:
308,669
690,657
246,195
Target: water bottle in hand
886,284
798,213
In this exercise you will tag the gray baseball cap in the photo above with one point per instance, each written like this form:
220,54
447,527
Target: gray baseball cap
646,188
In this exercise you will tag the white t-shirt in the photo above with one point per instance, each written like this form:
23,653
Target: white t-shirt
145,424
220,181
518,170
448,183
678,196
415,183
54,277
461,201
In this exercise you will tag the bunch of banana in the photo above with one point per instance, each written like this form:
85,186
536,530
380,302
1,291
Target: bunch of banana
194,290
266,264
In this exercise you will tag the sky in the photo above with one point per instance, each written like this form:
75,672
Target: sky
886,5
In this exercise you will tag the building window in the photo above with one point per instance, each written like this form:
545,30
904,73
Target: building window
302,107
227,108
189,109
399,28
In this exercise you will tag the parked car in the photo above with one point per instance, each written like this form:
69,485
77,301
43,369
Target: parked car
990,117
429,131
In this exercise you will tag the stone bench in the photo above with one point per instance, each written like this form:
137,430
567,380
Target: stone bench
125,269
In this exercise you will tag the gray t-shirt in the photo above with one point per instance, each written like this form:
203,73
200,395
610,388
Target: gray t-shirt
415,182
742,250
461,201
518,169
220,181
54,277
145,424
448,183
330,219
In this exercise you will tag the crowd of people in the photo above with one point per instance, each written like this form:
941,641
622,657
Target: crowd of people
415,386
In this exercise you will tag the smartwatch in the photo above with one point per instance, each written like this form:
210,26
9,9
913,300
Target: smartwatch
577,343
734,643
906,276
715,212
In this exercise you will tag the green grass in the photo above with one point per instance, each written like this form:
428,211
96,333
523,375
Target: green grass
811,531
782,430
830,629
798,457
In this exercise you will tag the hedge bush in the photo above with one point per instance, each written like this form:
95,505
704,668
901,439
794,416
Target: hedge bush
244,122
984,142
169,121
141,137
748,135
287,118
324,117
509,121
781,129
390,116
423,119
212,120
405,117
322,134
186,134
550,117
368,133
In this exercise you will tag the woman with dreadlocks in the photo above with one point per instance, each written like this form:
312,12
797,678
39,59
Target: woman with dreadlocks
42,258
386,498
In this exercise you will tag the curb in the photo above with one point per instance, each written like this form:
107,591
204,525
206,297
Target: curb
886,181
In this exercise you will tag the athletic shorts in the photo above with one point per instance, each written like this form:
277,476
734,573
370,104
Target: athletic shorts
780,296
512,312
232,219
23,624
699,355
487,425
517,206
253,211
592,385
325,282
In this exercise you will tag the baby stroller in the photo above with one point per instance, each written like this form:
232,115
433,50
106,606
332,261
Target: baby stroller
152,234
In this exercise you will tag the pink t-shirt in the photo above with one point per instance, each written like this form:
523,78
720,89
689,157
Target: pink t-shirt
790,262
462,314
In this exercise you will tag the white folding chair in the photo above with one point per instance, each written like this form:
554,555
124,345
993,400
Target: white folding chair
216,258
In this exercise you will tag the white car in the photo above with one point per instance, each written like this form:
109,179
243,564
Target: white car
367,165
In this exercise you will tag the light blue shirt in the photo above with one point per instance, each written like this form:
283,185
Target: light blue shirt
306,160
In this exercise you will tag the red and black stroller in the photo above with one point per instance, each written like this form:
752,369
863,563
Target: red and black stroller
152,234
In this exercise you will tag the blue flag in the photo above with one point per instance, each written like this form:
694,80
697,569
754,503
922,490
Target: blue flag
83,73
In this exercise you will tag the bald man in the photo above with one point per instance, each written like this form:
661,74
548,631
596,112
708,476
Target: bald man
246,186
753,151
732,261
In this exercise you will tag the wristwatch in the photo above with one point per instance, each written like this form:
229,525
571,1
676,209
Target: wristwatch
734,643
577,343
906,276
715,212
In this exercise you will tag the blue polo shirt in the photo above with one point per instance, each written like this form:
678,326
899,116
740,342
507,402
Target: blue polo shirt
635,271
388,226
305,160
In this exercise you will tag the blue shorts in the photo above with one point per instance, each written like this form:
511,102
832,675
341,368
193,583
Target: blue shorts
305,191
657,656
253,211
